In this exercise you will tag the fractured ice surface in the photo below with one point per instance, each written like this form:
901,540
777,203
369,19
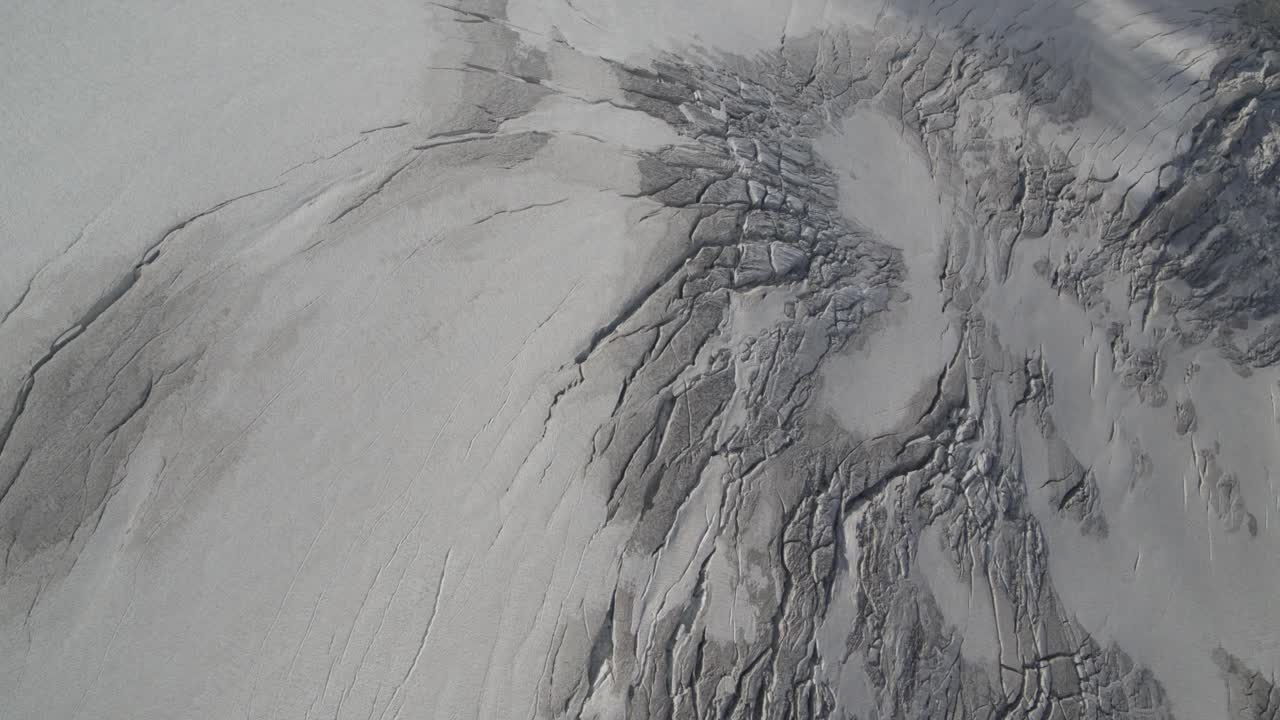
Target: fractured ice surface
592,359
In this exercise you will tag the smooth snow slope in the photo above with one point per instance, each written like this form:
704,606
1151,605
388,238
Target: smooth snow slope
640,360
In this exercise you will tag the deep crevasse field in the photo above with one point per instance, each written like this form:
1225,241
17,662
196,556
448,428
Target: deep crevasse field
639,360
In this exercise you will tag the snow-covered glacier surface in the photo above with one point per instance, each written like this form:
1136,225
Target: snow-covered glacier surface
723,359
